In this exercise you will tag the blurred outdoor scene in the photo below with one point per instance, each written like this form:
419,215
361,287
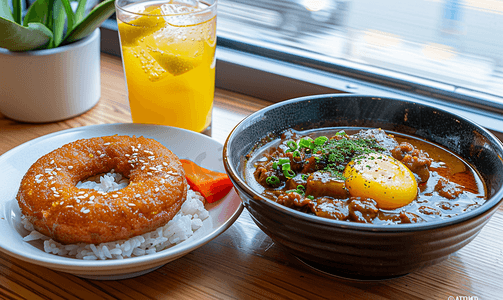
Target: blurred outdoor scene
454,42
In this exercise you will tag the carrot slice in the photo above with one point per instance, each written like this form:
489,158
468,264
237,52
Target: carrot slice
212,185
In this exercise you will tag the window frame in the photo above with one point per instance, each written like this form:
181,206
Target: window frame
276,75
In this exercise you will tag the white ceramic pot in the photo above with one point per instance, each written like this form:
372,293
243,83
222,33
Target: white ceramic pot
53,84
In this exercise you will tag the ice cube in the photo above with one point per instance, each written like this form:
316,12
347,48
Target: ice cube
178,13
173,9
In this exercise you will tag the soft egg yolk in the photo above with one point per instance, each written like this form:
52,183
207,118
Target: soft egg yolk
382,178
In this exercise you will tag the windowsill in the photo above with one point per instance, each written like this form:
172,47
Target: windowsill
246,73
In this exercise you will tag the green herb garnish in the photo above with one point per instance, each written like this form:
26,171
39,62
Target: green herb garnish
301,190
272,180
306,142
336,153
292,146
320,140
287,171
283,161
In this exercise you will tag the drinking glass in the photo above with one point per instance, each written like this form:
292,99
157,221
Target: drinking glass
168,53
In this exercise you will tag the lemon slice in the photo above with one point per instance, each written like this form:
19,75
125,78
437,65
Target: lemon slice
175,64
134,30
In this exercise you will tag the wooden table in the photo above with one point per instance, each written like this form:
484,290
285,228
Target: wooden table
242,263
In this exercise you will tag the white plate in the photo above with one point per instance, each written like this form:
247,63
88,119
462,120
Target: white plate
185,144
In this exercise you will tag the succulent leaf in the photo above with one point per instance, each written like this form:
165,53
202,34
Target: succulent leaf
5,10
92,21
15,37
37,13
44,23
79,12
70,16
17,11
58,25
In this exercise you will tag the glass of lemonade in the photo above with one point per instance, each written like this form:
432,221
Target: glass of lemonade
168,53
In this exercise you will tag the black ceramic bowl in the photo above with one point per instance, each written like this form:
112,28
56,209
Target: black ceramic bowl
356,250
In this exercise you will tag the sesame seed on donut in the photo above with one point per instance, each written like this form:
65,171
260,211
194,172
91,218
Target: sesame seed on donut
49,199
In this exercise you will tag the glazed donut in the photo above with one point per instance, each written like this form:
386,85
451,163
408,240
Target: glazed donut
49,199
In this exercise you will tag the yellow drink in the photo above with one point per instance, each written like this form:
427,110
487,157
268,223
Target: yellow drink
169,62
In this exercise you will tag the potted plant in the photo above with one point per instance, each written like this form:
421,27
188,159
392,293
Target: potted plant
50,59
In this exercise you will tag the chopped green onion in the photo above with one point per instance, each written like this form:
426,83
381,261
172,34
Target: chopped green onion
310,197
292,146
305,143
283,161
296,153
320,140
272,180
304,176
300,190
289,173
275,165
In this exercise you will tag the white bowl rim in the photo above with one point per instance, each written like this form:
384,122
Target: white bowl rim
73,265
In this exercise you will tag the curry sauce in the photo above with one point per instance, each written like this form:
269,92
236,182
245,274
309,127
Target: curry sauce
367,175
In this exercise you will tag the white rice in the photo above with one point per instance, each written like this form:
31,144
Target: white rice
180,228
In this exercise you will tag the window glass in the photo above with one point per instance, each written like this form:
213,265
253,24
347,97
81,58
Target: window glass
458,43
